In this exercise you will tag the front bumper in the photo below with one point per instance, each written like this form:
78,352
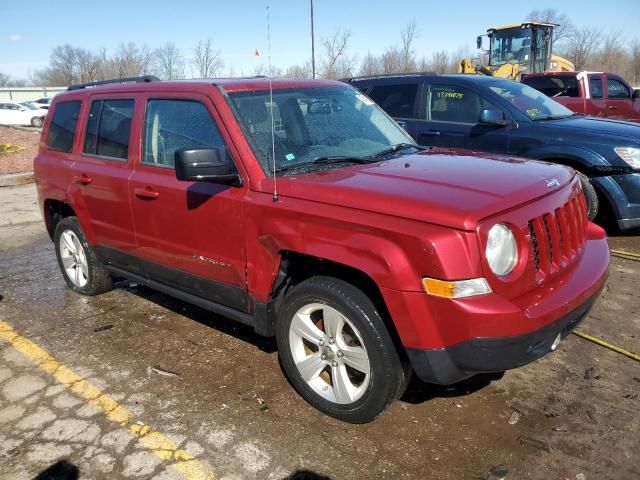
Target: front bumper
479,355
623,194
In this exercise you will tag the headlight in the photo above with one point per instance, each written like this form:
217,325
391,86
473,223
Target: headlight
502,250
630,155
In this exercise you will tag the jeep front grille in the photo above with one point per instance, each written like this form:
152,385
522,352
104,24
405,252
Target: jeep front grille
557,238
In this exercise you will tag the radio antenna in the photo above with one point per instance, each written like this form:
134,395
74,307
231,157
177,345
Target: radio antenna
271,108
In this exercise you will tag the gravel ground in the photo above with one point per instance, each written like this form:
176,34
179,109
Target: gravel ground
21,161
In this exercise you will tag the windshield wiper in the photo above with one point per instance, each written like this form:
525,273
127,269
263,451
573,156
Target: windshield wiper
552,117
395,148
340,159
325,160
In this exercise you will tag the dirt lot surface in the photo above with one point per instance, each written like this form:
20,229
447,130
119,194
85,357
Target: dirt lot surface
195,383
21,161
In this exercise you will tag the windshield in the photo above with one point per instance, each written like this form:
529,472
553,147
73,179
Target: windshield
29,106
531,102
314,123
512,45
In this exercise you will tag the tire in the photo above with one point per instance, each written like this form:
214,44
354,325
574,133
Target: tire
78,263
336,355
590,196
37,122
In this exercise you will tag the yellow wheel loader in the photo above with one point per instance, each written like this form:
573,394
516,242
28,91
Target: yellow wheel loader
518,49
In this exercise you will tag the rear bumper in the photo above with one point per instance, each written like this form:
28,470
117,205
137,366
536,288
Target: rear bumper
479,355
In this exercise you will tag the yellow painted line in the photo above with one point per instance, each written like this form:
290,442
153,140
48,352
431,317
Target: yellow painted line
619,350
161,446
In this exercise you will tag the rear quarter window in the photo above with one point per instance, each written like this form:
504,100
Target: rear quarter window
62,128
554,86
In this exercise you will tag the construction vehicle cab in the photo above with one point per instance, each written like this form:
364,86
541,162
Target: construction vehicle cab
519,49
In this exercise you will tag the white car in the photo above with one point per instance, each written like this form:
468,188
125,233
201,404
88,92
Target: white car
44,102
12,113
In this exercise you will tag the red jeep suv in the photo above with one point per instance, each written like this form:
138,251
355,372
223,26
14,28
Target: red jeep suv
300,208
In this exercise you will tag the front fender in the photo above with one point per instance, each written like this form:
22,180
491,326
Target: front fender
582,159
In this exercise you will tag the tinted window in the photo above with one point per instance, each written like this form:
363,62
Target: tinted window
455,104
617,89
595,84
108,128
63,126
172,125
558,86
396,100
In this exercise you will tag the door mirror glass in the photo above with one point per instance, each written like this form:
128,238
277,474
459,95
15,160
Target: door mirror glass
479,42
207,164
492,117
636,93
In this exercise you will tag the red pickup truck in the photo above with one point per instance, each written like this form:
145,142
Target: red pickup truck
597,94
299,208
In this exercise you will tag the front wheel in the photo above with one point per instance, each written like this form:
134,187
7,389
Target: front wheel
37,122
590,196
337,352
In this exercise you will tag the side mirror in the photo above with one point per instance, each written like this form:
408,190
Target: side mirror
479,42
636,93
493,117
22,109
213,165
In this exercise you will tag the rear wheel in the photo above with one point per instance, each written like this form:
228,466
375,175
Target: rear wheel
37,122
80,267
337,352
590,196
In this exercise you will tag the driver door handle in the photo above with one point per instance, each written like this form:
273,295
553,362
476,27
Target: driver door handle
430,133
147,193
611,107
83,179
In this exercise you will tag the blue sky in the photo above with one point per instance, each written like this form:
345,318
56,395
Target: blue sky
30,29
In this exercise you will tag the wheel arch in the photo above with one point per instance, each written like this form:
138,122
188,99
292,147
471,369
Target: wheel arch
54,211
295,267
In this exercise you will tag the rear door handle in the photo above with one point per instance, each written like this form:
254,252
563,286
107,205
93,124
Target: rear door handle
430,133
83,179
611,107
147,193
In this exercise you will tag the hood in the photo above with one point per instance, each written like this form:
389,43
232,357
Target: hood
597,126
456,189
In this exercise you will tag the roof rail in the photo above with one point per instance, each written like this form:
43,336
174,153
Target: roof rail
382,75
141,79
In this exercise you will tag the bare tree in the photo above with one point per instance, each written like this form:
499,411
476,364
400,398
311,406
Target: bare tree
88,65
550,15
409,35
63,65
131,60
370,65
439,62
299,71
169,62
634,63
206,60
581,46
612,56
4,80
337,63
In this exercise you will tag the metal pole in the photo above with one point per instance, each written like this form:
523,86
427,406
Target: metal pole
313,47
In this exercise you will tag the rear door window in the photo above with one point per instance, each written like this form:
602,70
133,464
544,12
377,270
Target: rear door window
595,85
448,103
63,126
396,100
109,128
172,125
